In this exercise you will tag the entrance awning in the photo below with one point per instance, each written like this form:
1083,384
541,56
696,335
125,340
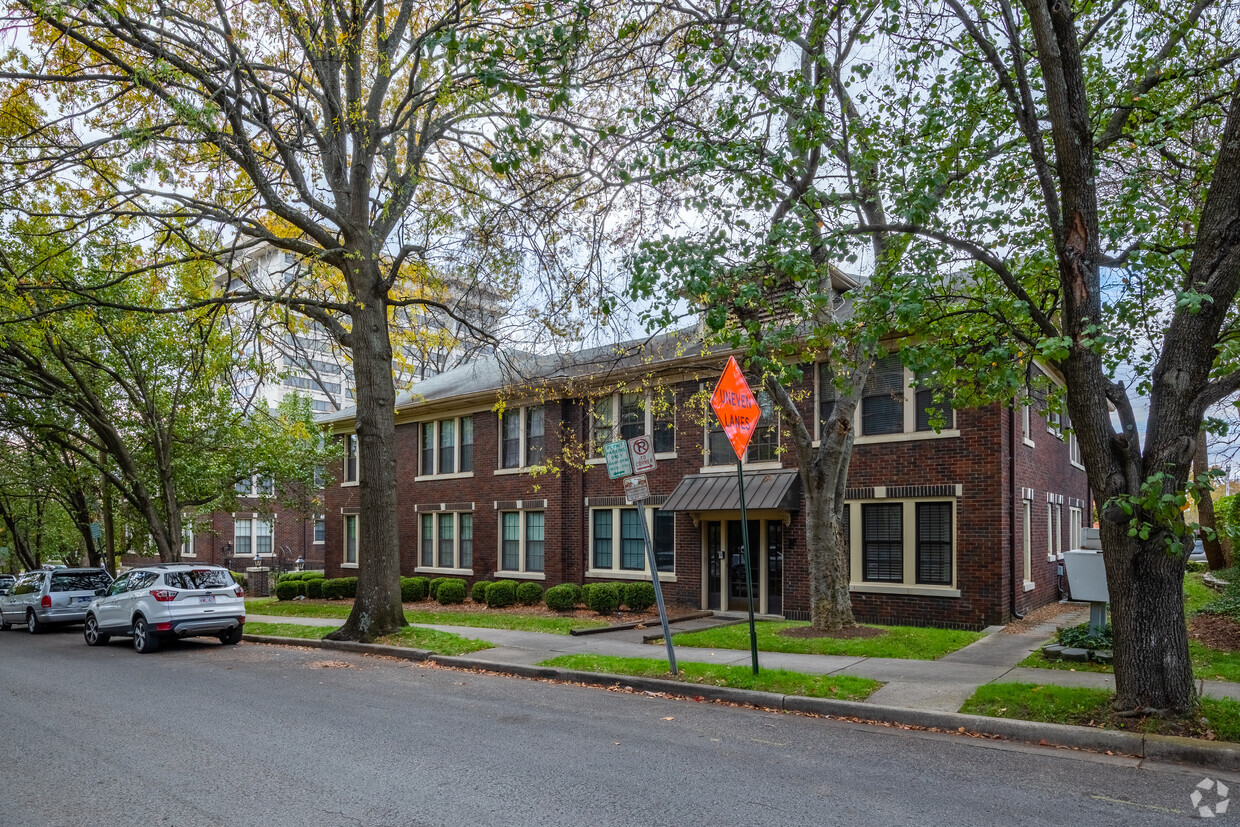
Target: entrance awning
779,490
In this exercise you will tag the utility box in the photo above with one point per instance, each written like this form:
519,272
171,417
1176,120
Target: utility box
1087,576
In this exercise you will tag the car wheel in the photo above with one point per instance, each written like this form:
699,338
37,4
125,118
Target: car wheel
4,624
33,624
91,632
232,636
144,640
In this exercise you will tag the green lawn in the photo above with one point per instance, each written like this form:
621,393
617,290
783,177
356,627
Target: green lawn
1092,707
910,642
412,637
1196,593
844,687
497,619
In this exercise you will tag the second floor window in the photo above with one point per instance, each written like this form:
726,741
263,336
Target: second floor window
522,437
624,415
448,446
763,445
882,401
350,458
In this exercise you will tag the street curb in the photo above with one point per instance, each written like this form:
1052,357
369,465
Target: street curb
1208,754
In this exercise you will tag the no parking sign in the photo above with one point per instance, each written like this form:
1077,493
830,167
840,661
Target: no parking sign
641,452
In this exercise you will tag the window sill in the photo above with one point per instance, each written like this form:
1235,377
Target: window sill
730,468
1076,465
348,565
1029,442
1029,586
317,543
459,475
907,436
919,591
524,469
437,570
521,575
664,576
353,484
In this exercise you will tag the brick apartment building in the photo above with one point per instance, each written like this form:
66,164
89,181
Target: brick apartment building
960,527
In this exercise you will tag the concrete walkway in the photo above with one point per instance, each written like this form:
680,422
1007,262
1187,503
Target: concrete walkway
937,685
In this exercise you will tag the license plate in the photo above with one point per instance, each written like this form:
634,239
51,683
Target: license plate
82,599
207,599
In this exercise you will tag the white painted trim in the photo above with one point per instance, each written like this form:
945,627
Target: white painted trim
906,437
353,484
521,575
730,468
608,574
459,475
1029,586
921,591
436,570
348,565
1029,442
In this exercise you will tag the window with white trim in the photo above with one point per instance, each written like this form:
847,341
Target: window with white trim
1059,530
188,548
1074,447
1025,423
893,402
763,445
902,544
447,541
350,459
522,437
618,545
251,536
1074,527
447,446
623,415
1050,531
320,530
349,556
256,486
1027,537
522,542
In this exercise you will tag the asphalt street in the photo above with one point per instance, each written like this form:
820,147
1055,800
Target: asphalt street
203,734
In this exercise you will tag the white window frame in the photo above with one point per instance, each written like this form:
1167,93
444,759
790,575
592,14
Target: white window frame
436,429
1074,526
352,460
909,584
1074,451
908,434
1026,421
188,540
357,540
457,568
252,534
1050,529
615,572
523,418
522,531
1027,539
596,456
319,520
1058,531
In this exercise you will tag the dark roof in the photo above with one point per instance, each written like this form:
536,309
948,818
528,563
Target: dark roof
779,490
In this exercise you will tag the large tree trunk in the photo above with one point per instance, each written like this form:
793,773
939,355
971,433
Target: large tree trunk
829,556
1153,670
377,608
1215,556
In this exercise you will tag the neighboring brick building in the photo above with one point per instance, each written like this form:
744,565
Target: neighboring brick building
939,521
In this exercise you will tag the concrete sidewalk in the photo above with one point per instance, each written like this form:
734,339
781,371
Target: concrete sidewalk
933,685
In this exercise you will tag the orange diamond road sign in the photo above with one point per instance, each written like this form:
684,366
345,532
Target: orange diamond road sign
736,407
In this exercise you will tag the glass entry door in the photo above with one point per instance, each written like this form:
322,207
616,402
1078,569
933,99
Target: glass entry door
714,564
738,595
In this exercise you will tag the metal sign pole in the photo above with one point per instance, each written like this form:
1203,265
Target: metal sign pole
658,590
753,634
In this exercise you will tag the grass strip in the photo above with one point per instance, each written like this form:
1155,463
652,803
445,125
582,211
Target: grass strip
1219,717
411,637
907,642
480,620
843,687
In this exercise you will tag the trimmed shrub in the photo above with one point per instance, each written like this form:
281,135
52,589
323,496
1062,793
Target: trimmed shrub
561,598
501,593
412,589
433,589
426,585
585,594
451,591
339,587
479,592
638,596
314,588
578,596
286,590
288,576
240,579
529,594
604,598
312,575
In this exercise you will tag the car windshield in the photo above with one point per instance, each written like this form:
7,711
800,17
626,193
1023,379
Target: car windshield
83,581
198,579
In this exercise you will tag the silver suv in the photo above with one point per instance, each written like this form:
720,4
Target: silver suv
41,598
168,601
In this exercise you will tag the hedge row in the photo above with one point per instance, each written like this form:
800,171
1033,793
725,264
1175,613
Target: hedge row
301,575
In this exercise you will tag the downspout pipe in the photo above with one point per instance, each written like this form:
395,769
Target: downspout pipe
1012,507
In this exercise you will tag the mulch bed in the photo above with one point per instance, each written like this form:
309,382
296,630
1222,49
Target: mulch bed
1042,614
839,634
1216,631
542,611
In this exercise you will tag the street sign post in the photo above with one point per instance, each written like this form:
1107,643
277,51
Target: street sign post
641,454
623,459
617,455
739,412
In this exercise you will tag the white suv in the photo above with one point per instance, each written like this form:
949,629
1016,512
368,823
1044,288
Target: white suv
168,601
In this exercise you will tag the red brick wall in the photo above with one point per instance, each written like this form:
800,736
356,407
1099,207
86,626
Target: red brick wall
979,460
